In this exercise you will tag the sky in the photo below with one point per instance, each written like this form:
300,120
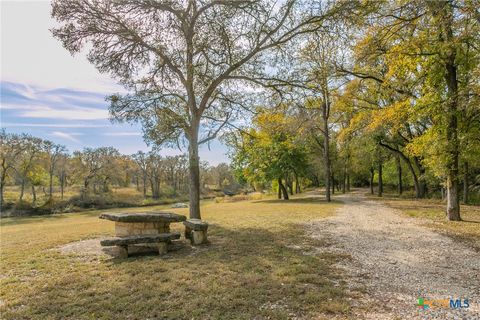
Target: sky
51,94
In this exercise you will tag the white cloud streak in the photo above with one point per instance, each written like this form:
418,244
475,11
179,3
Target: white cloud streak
66,136
71,113
123,134
51,125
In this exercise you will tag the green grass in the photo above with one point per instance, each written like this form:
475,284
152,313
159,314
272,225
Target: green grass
432,214
250,270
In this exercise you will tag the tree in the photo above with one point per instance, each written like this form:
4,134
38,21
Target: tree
270,151
95,165
182,61
27,162
155,169
37,176
425,50
140,159
321,55
11,147
54,153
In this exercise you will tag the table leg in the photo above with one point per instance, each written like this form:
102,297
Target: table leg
123,251
162,248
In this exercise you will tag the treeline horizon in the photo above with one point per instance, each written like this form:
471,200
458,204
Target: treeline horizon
34,164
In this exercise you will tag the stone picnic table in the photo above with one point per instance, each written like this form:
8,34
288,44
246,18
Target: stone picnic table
143,223
142,228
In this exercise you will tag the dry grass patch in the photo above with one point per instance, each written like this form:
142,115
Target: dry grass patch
250,270
432,213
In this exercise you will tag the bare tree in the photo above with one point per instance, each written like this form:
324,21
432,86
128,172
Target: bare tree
95,165
141,160
11,147
53,152
320,57
182,61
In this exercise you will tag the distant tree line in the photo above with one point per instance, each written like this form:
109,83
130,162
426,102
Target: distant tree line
35,165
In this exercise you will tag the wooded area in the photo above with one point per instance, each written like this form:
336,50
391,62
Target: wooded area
363,84
36,166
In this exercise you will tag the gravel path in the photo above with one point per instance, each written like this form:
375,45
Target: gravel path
395,261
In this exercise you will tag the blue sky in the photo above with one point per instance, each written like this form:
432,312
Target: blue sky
50,94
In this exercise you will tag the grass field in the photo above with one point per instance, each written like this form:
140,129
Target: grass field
432,213
72,202
260,265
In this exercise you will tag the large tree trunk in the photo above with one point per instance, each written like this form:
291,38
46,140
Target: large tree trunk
380,178
465,183
279,193
62,183
316,181
332,179
50,186
2,186
34,195
284,190
1,195
194,170
326,153
399,175
144,180
289,184
297,184
372,175
453,206
2,182
22,189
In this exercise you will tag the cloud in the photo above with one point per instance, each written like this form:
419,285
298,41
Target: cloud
52,125
59,104
66,136
123,134
69,113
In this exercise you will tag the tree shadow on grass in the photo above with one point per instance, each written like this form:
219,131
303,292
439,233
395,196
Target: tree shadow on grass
243,273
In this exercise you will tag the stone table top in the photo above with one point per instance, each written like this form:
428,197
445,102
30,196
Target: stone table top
165,217
196,224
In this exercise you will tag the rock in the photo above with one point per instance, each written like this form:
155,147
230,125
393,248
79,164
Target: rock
196,224
179,205
196,231
124,241
143,217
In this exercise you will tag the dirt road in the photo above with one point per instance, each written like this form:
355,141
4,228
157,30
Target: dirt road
395,261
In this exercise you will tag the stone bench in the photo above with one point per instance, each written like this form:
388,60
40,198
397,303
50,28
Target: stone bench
196,231
161,239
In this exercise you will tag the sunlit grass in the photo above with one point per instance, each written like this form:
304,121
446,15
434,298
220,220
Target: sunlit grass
251,268
432,213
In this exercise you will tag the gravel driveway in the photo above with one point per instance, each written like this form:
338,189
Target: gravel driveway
395,261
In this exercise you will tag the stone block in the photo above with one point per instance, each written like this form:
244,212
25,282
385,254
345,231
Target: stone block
198,237
162,248
124,229
122,251
196,231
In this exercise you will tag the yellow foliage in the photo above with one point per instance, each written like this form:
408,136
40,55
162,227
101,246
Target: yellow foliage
392,117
